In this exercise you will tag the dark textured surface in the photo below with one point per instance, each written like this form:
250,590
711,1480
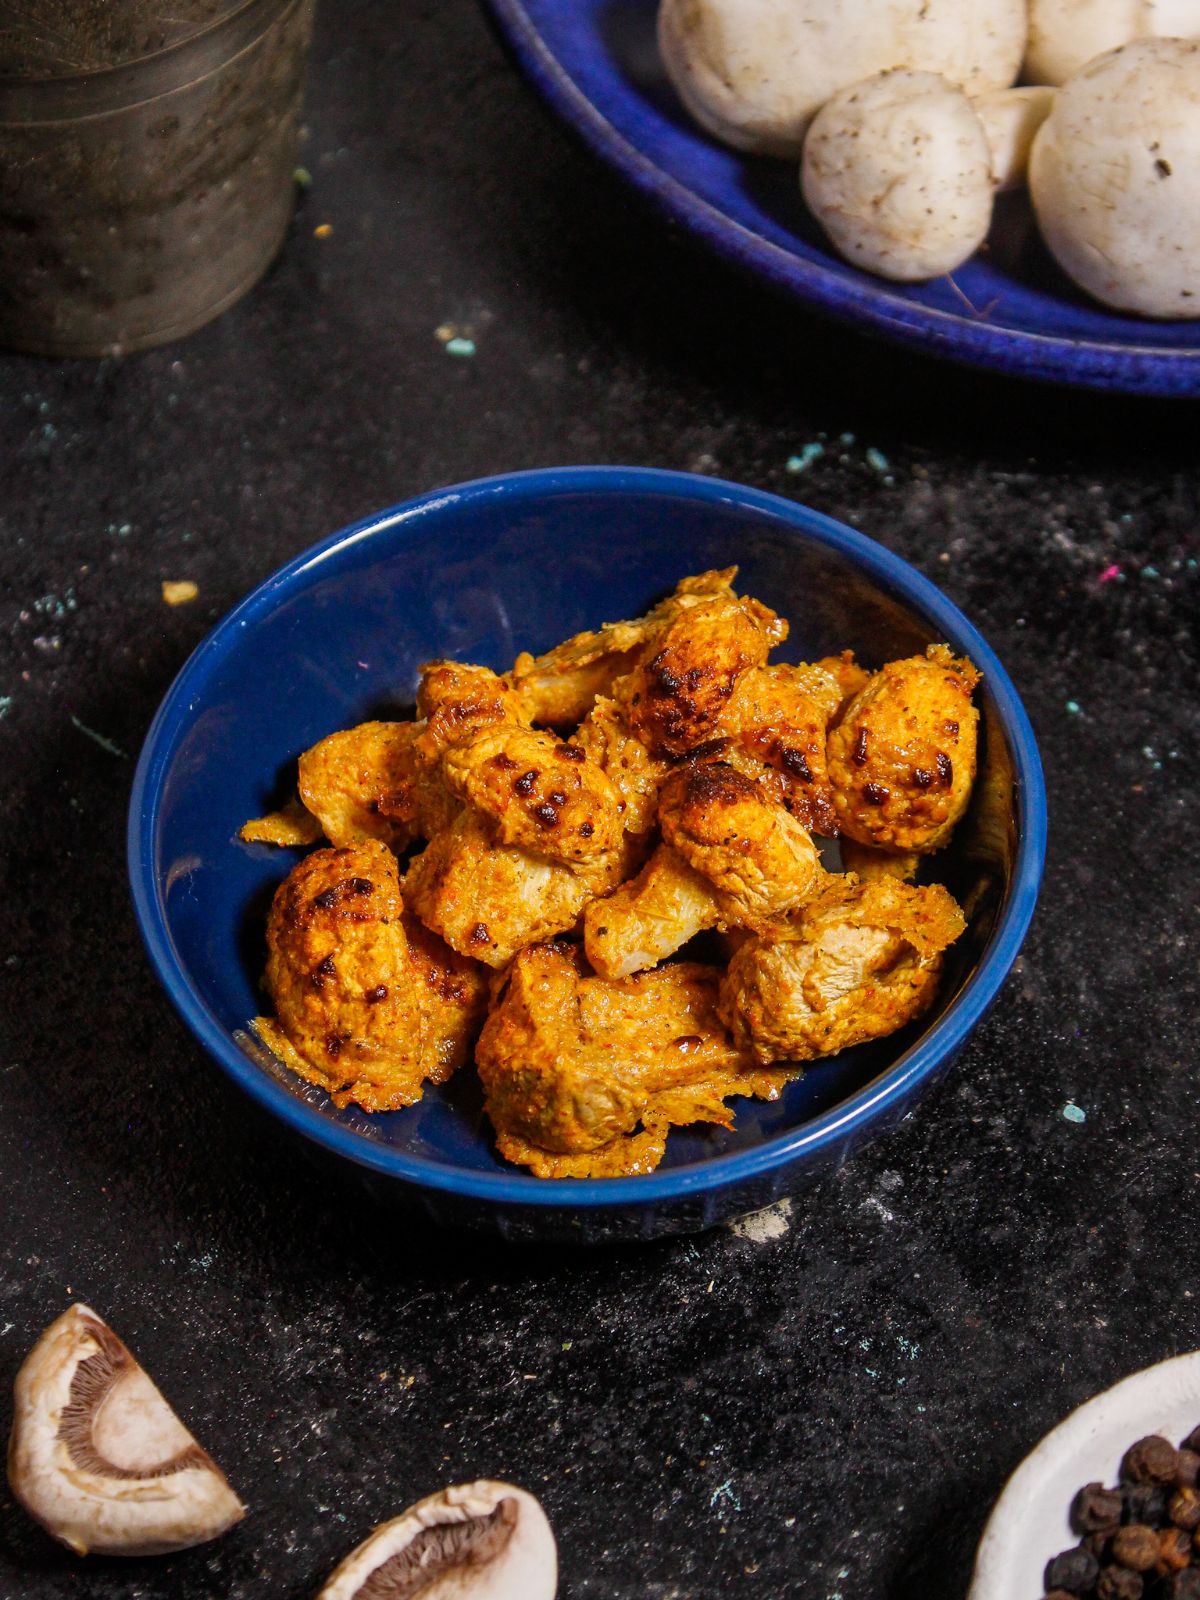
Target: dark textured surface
829,1412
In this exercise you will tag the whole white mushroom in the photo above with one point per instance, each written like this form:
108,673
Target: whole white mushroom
1064,35
898,172
756,72
1115,178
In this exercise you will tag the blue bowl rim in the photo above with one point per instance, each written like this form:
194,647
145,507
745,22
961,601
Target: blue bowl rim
819,1135
1149,369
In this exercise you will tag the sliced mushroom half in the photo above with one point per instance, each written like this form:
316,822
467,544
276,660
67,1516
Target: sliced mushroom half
475,1541
98,1457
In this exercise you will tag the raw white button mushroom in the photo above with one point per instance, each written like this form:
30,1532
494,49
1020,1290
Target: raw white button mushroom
1115,178
98,1457
898,172
475,1541
1010,119
1064,35
755,72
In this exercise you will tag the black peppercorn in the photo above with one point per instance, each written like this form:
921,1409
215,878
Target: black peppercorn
1185,1585
1174,1549
1192,1442
1136,1547
1187,1468
1144,1502
1075,1570
1151,1460
1096,1509
1183,1508
1118,1583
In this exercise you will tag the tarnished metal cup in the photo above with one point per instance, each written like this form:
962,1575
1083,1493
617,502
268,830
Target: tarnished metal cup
140,200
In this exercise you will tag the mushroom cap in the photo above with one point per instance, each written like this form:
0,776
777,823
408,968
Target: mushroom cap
1064,35
898,172
1011,118
1115,178
98,1457
474,1541
756,72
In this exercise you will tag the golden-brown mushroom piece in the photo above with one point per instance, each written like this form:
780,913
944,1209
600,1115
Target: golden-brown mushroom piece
649,917
540,792
857,963
487,899
292,825
584,1077
775,722
732,857
361,1010
637,776
868,862
674,697
730,828
902,758
370,782
457,700
561,686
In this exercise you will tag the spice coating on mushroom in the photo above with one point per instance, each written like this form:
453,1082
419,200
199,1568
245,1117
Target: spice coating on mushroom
474,1541
98,1457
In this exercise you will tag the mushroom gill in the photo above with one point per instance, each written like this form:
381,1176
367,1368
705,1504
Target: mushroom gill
473,1541
443,1547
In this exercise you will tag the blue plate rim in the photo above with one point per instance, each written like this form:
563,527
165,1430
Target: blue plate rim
1148,369
514,1188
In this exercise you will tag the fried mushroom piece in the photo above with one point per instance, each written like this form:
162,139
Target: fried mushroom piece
583,1077
776,720
637,776
370,782
867,862
648,918
674,697
540,792
291,826
858,962
363,1009
457,700
487,899
561,686
902,758
729,828
732,857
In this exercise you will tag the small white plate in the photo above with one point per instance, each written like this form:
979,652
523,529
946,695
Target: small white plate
1031,1521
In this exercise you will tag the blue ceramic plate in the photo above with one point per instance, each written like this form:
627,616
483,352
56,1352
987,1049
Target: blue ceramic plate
480,572
1011,309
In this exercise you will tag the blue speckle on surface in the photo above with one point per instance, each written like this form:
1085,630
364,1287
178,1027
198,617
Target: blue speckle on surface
802,462
5,705
460,347
846,438
1149,572
1073,707
1073,1113
877,461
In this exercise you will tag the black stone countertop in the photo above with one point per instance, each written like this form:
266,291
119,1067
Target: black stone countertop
823,1405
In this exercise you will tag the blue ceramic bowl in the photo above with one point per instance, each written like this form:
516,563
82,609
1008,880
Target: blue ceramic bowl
1009,308
480,572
